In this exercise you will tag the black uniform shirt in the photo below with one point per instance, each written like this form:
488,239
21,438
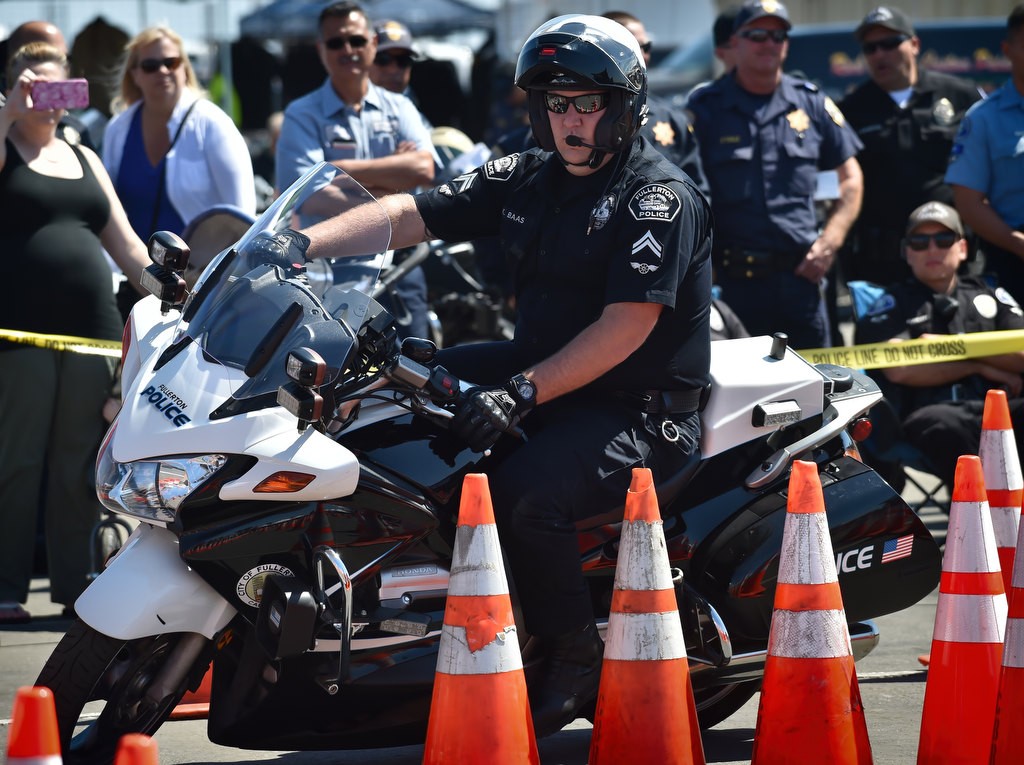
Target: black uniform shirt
762,154
638,233
910,309
906,150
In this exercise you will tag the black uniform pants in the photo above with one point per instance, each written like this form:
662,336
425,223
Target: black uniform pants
943,432
576,464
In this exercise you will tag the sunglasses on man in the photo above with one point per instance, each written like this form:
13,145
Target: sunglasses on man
152,65
763,35
401,60
943,240
888,44
586,104
355,42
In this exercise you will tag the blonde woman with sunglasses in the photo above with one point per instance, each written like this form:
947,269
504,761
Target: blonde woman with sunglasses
171,152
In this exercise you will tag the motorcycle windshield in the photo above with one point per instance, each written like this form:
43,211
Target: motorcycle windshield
252,305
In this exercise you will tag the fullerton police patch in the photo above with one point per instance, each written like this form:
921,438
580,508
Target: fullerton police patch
501,169
655,201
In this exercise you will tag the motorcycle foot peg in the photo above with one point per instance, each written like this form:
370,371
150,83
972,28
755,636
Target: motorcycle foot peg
407,623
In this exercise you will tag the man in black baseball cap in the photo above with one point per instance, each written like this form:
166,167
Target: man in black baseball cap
906,117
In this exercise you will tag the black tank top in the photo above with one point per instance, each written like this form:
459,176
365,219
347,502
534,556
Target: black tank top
54,277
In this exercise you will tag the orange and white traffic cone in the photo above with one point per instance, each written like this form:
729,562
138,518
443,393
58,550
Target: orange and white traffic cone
136,749
967,643
195,705
479,712
1007,743
1004,485
34,738
810,700
645,705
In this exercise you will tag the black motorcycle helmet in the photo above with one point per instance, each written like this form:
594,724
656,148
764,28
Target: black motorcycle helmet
577,51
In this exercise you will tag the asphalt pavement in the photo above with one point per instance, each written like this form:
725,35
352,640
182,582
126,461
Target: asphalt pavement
891,679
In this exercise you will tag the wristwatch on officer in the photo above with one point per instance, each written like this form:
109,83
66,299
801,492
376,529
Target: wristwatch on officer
523,391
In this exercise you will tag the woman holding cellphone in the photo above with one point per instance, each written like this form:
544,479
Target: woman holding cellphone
171,152
60,212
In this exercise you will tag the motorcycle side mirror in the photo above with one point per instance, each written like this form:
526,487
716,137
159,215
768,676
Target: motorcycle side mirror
169,250
307,370
419,349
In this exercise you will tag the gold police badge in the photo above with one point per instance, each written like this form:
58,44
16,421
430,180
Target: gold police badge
943,112
664,134
798,120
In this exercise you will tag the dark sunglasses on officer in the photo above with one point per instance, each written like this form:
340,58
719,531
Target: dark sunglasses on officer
943,240
355,42
585,104
401,60
887,44
759,35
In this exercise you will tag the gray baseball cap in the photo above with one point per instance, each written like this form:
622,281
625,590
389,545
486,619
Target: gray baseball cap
935,212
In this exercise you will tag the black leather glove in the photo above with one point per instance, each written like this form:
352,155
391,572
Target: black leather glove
286,249
484,414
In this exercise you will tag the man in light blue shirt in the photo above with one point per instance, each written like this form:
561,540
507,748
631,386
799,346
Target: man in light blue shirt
374,135
986,167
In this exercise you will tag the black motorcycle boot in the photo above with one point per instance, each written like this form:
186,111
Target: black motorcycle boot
568,679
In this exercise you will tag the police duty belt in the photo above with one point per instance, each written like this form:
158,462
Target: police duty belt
69,343
903,353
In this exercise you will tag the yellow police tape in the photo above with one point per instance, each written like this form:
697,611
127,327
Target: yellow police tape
871,356
921,351
70,343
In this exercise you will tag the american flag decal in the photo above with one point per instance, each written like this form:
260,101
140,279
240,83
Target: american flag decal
897,548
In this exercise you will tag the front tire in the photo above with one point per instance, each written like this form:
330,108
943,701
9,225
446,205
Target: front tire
88,666
721,702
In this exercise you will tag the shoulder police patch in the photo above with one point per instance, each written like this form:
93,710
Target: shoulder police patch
655,201
833,111
501,169
1005,297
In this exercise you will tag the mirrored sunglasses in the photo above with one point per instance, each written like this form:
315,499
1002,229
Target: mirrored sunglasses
763,35
886,43
151,65
401,60
354,41
585,104
943,240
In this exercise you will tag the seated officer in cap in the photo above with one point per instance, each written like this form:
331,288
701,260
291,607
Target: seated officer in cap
763,137
940,404
906,117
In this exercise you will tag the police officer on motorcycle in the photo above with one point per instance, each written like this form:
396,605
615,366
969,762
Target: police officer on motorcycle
610,246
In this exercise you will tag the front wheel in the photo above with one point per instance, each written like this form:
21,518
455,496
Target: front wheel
88,666
720,702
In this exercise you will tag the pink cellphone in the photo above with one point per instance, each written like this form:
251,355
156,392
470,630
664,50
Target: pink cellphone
60,94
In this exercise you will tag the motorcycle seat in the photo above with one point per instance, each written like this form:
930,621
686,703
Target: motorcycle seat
667,490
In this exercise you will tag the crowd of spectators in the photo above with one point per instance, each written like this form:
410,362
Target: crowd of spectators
754,141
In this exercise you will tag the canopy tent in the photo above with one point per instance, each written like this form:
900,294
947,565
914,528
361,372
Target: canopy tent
291,19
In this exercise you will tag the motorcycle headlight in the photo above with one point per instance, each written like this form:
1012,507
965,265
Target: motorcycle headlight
151,490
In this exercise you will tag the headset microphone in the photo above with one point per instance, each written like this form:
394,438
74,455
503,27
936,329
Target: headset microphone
598,151
575,141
